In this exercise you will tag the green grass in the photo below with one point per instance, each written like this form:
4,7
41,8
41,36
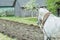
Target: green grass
27,20
5,37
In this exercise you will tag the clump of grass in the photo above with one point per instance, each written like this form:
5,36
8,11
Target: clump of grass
5,37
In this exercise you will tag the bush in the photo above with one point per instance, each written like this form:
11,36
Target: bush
2,14
52,6
6,11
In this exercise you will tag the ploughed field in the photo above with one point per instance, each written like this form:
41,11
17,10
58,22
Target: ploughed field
21,31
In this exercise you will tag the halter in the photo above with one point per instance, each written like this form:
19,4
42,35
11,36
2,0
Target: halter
43,22
44,19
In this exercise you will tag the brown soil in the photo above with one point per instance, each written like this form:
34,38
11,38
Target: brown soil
20,30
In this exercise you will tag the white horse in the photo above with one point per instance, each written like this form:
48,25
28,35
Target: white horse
51,23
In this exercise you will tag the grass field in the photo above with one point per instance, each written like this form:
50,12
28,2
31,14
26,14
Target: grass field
28,20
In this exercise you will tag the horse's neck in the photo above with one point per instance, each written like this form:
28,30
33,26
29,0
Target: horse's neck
43,16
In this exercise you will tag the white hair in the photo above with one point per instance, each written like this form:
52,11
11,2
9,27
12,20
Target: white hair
42,12
49,25
52,24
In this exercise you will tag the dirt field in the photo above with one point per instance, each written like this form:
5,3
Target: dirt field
20,30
